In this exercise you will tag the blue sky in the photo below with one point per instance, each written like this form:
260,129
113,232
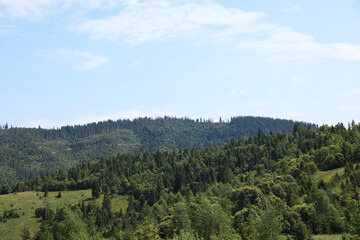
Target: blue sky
78,61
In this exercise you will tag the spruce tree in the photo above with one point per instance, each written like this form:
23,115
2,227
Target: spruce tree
95,190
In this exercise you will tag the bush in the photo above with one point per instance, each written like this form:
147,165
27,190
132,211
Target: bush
39,212
301,232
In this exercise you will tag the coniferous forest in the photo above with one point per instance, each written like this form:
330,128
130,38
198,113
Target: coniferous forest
266,186
30,152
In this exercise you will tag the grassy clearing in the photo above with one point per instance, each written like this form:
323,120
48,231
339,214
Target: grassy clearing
327,175
328,237
27,202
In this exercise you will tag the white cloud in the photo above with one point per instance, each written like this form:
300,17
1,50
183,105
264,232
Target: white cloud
233,93
352,92
44,123
36,10
292,9
5,29
254,104
157,21
127,114
165,20
347,51
279,43
143,21
83,60
349,108
24,9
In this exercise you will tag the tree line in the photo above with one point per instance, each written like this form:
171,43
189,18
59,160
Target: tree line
260,187
31,152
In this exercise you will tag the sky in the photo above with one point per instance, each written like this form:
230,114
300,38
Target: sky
66,62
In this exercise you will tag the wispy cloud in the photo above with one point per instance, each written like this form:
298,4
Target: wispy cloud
151,21
143,21
347,51
233,93
36,10
254,104
84,119
349,108
23,9
292,9
350,93
4,29
83,60
157,21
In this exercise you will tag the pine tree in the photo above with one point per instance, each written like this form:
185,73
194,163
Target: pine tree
95,190
59,195
106,213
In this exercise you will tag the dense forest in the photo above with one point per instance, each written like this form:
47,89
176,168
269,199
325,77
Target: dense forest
30,152
261,187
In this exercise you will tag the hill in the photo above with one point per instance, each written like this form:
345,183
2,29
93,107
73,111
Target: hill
22,207
30,152
262,187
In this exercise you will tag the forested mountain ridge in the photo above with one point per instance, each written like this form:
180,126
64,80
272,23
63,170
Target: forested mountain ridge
262,187
30,152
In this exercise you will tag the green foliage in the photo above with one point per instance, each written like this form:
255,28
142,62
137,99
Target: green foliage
246,222
301,232
210,221
261,187
270,226
30,152
95,190
71,227
353,215
25,234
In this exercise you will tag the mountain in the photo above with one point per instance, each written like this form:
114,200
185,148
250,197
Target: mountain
30,152
275,186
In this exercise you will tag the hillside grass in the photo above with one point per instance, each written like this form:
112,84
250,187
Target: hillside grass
327,175
26,203
328,237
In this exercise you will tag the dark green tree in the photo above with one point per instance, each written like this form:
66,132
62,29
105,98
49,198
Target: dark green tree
95,190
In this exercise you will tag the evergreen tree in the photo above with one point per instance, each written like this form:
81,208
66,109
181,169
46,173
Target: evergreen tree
270,223
95,190
106,214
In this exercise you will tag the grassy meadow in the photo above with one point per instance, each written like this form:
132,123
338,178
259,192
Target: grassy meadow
327,175
328,237
26,203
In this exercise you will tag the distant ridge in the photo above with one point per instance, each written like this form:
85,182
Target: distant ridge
30,152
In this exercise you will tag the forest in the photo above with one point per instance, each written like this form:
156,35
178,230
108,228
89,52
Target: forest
266,186
30,152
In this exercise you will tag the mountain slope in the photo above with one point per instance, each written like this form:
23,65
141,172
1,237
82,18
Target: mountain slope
30,152
255,188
